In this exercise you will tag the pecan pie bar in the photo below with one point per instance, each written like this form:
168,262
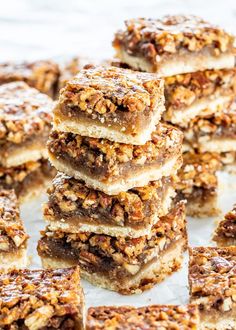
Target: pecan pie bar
73,207
163,317
41,300
216,133
123,264
198,183
212,280
199,93
13,238
25,122
113,103
42,75
225,234
26,179
115,167
174,45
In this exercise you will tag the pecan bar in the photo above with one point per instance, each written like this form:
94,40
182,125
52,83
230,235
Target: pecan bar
123,264
225,234
26,179
212,280
42,75
198,183
25,122
13,238
217,133
73,207
163,317
199,93
174,45
113,103
115,167
41,300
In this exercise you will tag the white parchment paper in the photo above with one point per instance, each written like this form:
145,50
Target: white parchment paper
174,289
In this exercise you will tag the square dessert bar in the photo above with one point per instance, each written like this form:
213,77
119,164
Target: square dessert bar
163,317
212,280
199,93
198,183
73,207
42,75
25,122
28,178
123,264
115,167
174,45
13,238
225,234
113,103
41,299
217,133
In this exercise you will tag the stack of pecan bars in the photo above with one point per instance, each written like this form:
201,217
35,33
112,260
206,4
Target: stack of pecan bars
196,60
110,206
25,122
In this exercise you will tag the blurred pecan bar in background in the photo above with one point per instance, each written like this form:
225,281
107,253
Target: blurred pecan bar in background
25,122
41,299
225,234
212,281
27,179
42,75
123,264
173,45
73,207
199,93
13,238
217,133
115,167
198,183
163,317
112,103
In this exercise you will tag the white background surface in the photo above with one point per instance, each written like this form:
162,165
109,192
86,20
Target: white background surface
49,28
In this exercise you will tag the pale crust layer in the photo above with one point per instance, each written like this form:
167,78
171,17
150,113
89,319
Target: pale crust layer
16,259
173,66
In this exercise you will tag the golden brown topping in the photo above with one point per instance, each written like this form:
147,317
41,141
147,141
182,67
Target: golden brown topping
23,112
12,232
101,90
40,298
71,197
42,75
161,317
184,89
198,170
212,276
152,38
102,152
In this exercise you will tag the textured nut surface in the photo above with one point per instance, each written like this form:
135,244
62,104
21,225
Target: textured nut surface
24,112
161,317
100,90
212,275
226,229
152,38
39,298
42,75
68,197
12,232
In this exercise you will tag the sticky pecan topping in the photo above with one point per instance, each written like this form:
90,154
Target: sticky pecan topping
24,112
152,38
